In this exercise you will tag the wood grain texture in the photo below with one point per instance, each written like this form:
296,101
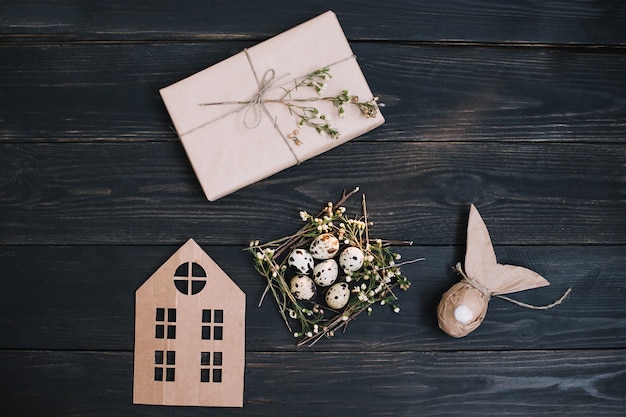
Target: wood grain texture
82,298
556,22
93,92
555,383
517,107
544,193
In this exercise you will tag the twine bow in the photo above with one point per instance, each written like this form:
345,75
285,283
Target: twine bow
256,103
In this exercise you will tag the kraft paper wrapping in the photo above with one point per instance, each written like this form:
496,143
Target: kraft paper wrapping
232,145
463,307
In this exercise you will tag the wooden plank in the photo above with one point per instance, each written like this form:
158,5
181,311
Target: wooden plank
444,21
87,92
556,383
82,298
539,193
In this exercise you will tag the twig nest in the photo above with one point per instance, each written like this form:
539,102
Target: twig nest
338,295
301,260
351,259
302,287
325,246
461,310
325,273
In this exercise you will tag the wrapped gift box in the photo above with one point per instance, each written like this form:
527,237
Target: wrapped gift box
232,131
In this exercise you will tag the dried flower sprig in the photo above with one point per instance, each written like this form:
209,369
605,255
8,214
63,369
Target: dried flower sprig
303,108
373,283
310,116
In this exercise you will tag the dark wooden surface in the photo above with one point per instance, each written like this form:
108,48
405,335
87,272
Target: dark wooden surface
517,107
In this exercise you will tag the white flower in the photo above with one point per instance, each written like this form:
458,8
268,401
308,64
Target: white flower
396,309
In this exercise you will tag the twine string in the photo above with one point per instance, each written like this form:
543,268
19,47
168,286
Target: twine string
255,108
257,102
484,291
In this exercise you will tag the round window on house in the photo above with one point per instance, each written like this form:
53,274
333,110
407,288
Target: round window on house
190,278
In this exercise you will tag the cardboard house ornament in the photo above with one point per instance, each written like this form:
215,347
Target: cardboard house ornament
189,334
230,119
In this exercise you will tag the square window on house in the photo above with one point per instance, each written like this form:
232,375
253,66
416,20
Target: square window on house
160,331
217,375
217,358
205,358
169,374
171,315
206,316
158,374
171,332
219,316
171,357
218,333
158,356
160,314
206,332
204,375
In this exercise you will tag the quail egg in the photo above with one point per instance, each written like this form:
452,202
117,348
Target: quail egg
302,287
301,260
325,273
325,246
338,295
351,259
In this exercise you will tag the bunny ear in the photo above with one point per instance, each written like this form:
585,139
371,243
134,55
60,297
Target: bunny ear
481,264
505,279
479,254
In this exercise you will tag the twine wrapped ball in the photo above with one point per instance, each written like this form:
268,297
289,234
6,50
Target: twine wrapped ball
461,310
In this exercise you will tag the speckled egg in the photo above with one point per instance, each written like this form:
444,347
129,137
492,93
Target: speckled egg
338,295
302,287
301,260
324,246
325,273
351,259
